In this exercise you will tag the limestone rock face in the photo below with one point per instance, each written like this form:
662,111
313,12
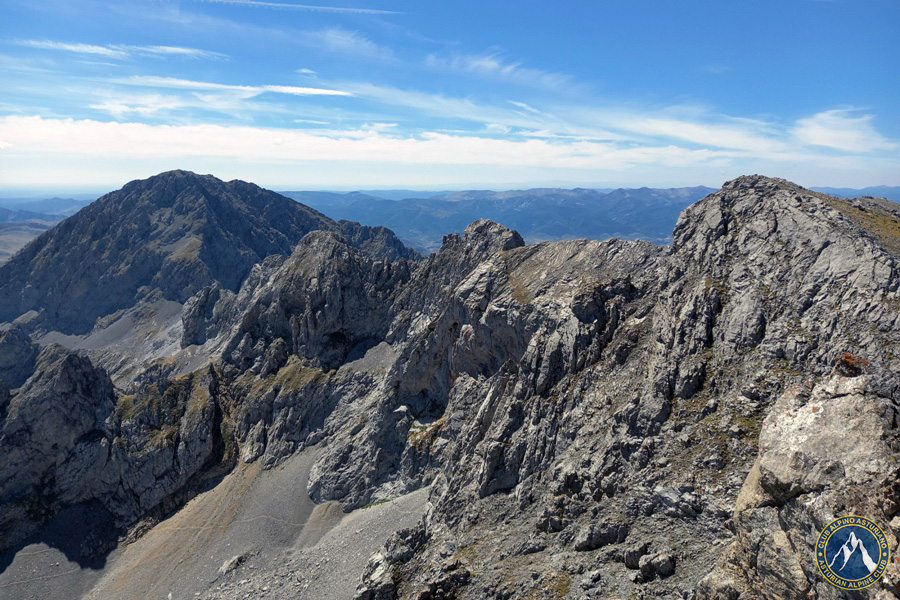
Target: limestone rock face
55,439
616,383
825,451
66,438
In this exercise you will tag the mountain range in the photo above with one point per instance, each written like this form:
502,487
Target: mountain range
210,390
421,219
538,214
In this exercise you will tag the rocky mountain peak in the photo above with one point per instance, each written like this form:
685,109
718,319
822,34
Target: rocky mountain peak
759,183
165,237
485,232
167,186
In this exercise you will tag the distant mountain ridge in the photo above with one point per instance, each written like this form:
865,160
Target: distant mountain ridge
877,191
540,214
17,216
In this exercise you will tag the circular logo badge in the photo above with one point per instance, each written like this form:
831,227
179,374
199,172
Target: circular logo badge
852,553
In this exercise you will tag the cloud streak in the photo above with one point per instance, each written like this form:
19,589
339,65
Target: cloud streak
91,49
120,51
343,41
839,130
377,153
307,7
370,143
245,91
493,66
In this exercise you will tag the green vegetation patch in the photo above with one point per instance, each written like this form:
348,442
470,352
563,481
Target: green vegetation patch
160,408
421,436
292,377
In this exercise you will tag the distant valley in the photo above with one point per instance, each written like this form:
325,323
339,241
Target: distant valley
23,219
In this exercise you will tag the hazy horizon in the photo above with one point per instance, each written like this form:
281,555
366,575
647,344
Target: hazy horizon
88,192
84,192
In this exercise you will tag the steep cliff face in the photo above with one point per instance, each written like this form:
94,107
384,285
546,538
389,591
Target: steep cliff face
68,437
595,419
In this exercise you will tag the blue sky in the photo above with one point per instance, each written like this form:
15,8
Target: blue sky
412,93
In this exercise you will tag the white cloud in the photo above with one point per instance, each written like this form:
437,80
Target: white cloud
307,7
121,51
493,66
343,41
93,152
170,51
144,105
443,107
305,71
528,108
246,91
39,136
839,130
76,48
738,135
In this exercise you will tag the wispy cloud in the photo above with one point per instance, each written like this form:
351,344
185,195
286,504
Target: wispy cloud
76,48
733,134
840,130
513,115
142,105
247,91
309,7
343,41
306,71
121,51
495,67
372,142
531,110
171,51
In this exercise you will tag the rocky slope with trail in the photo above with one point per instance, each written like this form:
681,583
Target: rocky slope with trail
593,419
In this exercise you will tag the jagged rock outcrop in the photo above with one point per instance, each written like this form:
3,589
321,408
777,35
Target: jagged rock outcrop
764,285
55,437
17,356
585,411
825,451
67,438
291,325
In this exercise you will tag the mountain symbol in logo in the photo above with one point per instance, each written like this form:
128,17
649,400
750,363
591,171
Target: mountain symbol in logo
849,548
